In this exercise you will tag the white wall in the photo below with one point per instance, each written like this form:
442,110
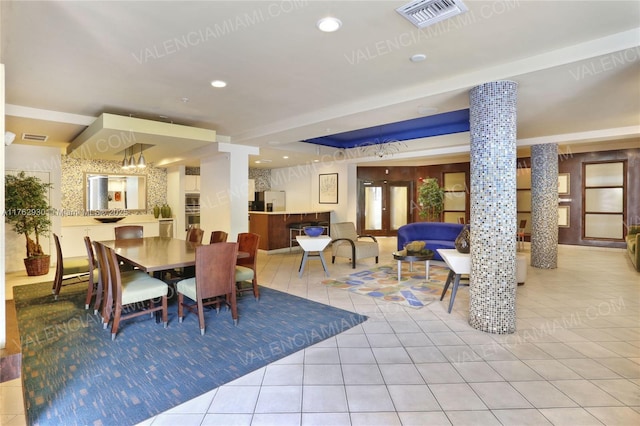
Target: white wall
36,160
175,198
301,184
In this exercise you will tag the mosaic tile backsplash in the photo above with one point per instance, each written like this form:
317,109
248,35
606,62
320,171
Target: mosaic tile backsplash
492,287
73,170
262,179
544,206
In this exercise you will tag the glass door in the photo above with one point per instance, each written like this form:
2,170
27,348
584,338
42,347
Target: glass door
384,206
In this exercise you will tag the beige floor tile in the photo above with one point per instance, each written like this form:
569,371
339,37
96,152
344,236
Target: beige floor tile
572,329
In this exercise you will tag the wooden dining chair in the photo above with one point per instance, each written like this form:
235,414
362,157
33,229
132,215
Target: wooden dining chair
67,268
218,237
214,283
106,308
137,290
95,281
194,235
103,269
246,274
126,232
172,276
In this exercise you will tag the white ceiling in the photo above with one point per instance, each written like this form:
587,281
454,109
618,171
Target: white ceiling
577,64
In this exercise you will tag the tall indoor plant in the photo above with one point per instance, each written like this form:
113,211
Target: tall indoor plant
27,210
430,199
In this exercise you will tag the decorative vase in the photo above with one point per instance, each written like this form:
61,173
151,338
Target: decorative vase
156,211
165,211
462,242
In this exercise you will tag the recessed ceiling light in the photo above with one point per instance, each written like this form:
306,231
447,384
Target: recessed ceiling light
329,24
285,156
257,161
418,57
185,100
218,83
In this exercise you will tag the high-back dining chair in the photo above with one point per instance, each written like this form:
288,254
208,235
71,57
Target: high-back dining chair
246,274
194,235
68,268
126,232
213,284
347,243
95,281
134,288
218,237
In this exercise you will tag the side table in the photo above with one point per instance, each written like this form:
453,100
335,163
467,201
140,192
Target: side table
313,245
459,264
402,256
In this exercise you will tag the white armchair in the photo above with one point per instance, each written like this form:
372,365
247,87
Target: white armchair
345,242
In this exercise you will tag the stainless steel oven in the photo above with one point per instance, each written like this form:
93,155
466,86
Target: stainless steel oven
192,211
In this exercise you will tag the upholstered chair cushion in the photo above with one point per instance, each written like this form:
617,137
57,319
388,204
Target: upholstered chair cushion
188,288
75,265
243,273
138,286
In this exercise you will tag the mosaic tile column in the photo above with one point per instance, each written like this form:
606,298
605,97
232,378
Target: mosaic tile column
544,206
492,286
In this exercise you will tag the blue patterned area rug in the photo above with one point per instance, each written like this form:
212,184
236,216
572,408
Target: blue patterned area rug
73,373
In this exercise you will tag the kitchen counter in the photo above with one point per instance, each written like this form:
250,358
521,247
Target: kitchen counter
273,227
75,228
293,212
91,220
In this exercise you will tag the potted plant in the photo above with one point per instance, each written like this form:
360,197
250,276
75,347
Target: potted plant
430,199
27,210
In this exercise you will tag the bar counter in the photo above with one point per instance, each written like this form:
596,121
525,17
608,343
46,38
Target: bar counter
273,227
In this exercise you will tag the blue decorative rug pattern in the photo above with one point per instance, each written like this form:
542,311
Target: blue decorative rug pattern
73,373
381,282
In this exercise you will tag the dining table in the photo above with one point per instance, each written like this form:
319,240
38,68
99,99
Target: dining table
156,254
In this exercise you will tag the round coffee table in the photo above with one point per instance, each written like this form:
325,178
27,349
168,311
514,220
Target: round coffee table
424,256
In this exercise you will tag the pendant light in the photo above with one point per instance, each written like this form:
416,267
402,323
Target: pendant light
132,161
125,163
141,161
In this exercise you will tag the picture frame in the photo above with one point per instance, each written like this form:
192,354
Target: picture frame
563,183
563,216
328,188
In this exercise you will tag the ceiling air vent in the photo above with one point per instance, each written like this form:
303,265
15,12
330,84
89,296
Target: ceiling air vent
34,137
423,13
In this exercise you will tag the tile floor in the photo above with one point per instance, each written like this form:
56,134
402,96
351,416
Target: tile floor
575,359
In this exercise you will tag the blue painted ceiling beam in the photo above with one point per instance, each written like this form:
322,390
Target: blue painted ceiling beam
423,127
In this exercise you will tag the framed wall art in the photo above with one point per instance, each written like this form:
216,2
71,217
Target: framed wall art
328,189
563,216
563,183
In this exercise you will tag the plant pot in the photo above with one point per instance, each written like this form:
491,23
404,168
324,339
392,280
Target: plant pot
37,265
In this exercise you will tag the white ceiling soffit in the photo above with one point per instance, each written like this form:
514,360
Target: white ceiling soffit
423,13
110,135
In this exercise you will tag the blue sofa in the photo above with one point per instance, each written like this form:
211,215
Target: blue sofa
436,235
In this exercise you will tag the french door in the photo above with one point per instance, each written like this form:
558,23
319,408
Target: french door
383,206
